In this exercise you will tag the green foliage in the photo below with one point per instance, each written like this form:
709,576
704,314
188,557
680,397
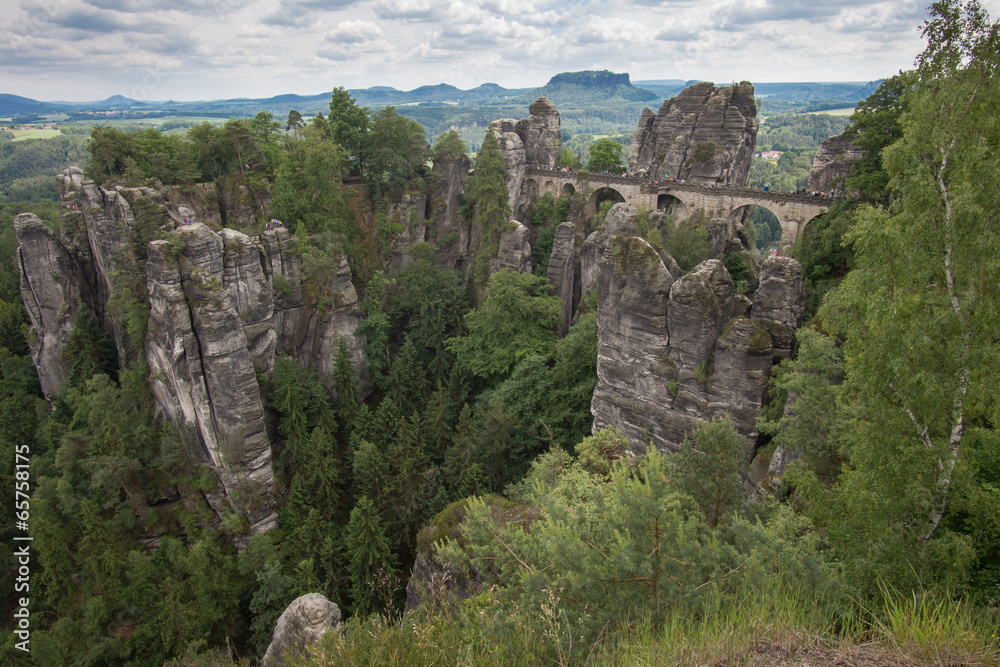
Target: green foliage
784,131
916,313
814,379
375,327
707,468
307,188
605,155
875,125
449,145
489,191
737,267
517,319
704,153
687,242
597,453
347,125
395,152
541,251
89,351
370,562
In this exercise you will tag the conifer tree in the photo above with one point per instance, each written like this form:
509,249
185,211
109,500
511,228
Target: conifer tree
345,385
370,561
490,192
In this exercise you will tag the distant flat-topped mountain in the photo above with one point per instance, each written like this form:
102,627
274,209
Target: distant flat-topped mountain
589,86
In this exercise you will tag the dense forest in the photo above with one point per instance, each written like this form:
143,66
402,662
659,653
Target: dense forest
469,443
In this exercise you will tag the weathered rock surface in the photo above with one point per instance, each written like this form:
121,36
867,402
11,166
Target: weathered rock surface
515,160
779,303
535,141
302,624
450,233
677,350
541,134
705,133
515,251
222,304
201,368
564,273
50,290
833,163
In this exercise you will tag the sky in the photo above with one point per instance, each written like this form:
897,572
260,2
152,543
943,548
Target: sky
81,50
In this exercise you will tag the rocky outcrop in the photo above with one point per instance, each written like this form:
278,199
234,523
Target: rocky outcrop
222,306
515,251
515,161
541,134
832,163
302,624
779,304
50,289
705,134
677,350
535,141
564,273
449,231
201,368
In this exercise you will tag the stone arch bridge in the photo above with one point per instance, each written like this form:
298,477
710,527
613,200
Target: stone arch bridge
794,211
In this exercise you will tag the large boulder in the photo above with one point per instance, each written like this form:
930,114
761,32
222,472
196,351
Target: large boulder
779,303
832,163
515,250
705,133
302,624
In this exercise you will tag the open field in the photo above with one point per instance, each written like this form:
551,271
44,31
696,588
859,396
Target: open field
20,135
832,112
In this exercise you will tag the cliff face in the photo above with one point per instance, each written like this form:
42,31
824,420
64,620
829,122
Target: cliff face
222,305
675,350
535,141
705,133
833,163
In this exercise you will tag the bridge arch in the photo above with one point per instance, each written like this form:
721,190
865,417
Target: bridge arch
568,190
672,206
602,195
531,188
550,187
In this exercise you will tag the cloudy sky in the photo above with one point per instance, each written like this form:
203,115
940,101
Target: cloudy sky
209,49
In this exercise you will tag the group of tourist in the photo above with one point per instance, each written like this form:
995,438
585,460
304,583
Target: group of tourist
273,225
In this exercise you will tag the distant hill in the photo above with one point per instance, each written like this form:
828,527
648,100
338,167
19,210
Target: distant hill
13,105
588,87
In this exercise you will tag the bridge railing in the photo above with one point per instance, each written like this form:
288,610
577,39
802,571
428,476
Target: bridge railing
649,186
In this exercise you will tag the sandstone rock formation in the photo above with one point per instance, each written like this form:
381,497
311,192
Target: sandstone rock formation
676,350
530,142
302,624
222,305
448,230
564,273
833,162
51,292
705,133
515,250
541,134
780,302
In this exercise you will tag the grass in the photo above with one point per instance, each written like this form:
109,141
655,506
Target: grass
846,111
757,628
21,135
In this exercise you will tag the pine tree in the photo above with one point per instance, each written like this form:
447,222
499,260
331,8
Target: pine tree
370,561
491,195
345,385
406,385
